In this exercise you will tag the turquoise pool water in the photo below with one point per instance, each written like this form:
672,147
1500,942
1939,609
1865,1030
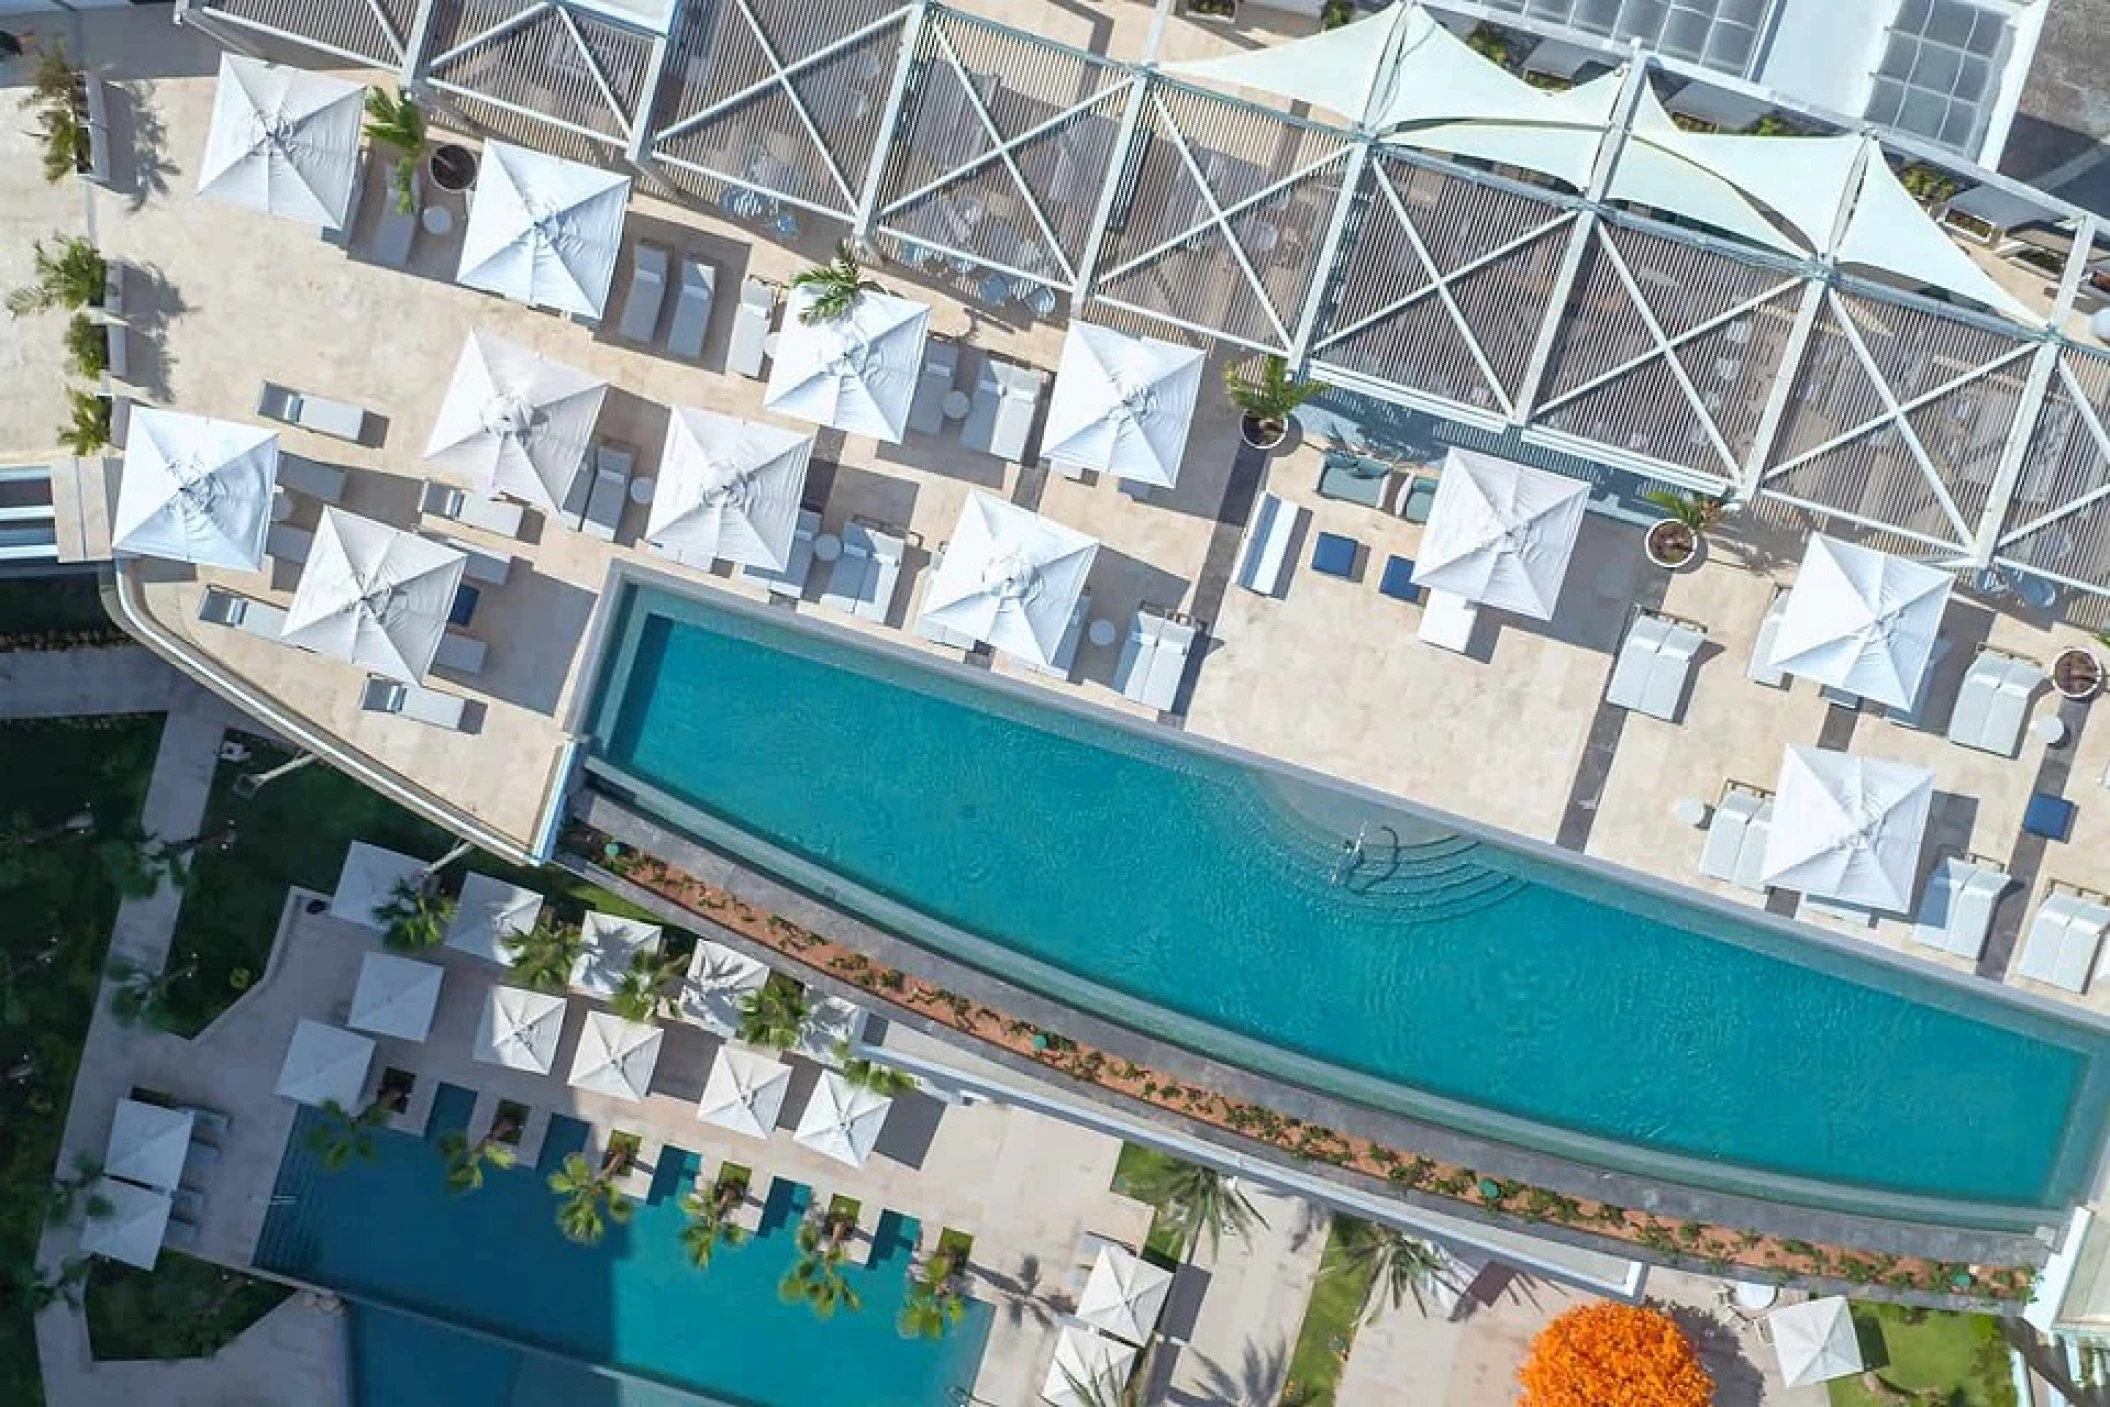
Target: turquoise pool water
1447,975
477,1301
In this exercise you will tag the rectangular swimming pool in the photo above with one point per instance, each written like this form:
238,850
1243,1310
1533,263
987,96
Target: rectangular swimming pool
1435,970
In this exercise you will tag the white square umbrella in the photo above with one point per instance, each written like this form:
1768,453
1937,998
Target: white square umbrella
284,141
1815,1341
368,881
487,913
719,979
520,1029
326,1064
1091,1361
1124,1295
135,1228
842,1120
195,490
148,1144
615,1057
728,488
1848,828
855,373
374,595
1122,404
831,1022
395,997
1010,578
515,422
1501,533
544,231
745,1092
607,943
1861,620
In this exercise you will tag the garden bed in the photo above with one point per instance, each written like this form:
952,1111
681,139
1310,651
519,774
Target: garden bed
183,1308
1331,1318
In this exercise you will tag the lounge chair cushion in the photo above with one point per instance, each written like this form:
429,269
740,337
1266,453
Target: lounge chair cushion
1334,555
1398,580
2048,815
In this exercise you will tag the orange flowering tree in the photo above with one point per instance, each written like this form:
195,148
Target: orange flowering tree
1613,1355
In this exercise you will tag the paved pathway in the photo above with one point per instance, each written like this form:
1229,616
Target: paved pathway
79,683
284,1360
1246,1302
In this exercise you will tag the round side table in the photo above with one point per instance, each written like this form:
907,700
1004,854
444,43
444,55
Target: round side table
827,547
642,489
437,220
955,405
1102,632
1690,811
2049,729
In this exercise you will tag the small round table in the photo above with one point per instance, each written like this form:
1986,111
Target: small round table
2049,729
1102,632
827,547
437,220
769,346
642,489
1690,811
955,405
281,506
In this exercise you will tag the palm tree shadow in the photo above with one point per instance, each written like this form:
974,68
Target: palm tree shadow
1024,1297
1254,1381
147,148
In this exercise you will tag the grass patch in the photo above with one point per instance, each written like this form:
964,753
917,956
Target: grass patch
1330,1322
183,1308
1136,1163
1932,1356
71,601
61,906
294,832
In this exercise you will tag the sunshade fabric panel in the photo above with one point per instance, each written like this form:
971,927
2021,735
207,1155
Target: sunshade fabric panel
729,488
1848,828
857,372
196,490
283,141
1122,404
1010,578
516,423
544,231
1862,621
1501,533
374,595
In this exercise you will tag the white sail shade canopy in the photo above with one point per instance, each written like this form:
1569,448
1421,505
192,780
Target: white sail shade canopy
148,1143
1124,1295
520,1029
616,1057
745,1092
284,141
515,422
374,595
1089,1361
196,490
1815,1341
326,1064
856,373
729,489
842,1121
544,231
1501,533
395,996
1848,828
1010,578
135,1227
1122,404
1862,621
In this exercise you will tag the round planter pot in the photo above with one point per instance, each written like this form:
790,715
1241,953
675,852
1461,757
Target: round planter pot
1263,435
453,168
2077,674
1673,546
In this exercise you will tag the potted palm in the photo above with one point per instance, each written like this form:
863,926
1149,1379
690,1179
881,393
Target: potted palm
1677,538
2076,673
1267,401
70,274
398,123
774,1014
832,288
415,917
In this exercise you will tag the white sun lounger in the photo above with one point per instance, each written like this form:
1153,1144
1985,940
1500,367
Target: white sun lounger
2063,939
862,581
1153,661
935,631
285,543
1761,669
459,653
646,295
1263,558
412,701
758,308
1993,704
1006,398
1654,665
692,308
1447,621
243,613
611,489
941,366
1736,837
791,581
1957,910
397,228
1066,648
491,515
322,482
325,417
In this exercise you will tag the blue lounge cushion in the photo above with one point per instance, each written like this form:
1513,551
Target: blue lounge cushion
1334,555
1398,580
2049,816
463,610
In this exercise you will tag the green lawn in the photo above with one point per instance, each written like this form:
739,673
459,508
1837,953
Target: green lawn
60,906
1941,1359
30,605
1330,1322
183,1308
1135,1162
295,832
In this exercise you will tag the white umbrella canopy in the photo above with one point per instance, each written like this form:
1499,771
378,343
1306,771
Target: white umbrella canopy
196,490
520,1029
1092,1361
855,373
842,1120
148,1144
608,944
544,231
1815,1341
1010,578
135,1228
395,996
325,1065
616,1057
1501,533
1861,620
374,595
1124,1295
728,489
284,141
515,422
1848,828
719,979
745,1092
368,882
1122,404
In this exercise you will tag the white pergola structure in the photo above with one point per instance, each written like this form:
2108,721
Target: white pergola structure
1849,828
374,595
516,423
1815,1341
326,1064
1011,578
1122,404
284,141
1767,318
544,231
195,490
729,490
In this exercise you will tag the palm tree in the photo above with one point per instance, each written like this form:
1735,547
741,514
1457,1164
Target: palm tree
1269,399
398,122
934,1304
40,1292
1098,1392
1198,1200
543,956
141,995
816,1278
70,274
87,427
774,1014
466,1161
710,1222
864,1074
648,987
836,286
415,917
72,1192
343,1135
1397,1266
588,1200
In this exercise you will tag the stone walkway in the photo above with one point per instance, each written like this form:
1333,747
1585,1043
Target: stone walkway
81,683
1245,1302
